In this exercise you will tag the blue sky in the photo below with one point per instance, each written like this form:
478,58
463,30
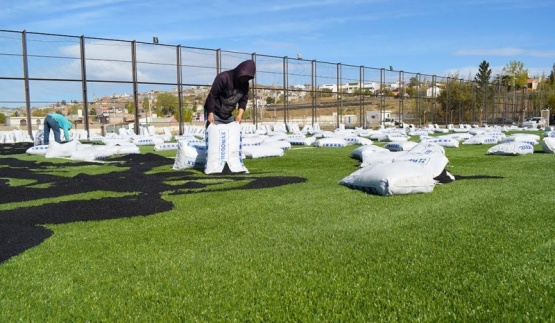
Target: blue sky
435,37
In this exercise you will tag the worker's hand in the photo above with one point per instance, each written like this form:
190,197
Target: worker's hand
239,116
211,117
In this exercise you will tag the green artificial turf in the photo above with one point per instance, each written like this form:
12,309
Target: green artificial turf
481,248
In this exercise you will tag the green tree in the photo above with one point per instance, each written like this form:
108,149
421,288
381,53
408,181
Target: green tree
130,107
146,104
326,93
413,82
167,104
39,113
72,110
551,78
484,74
456,100
515,71
482,80
2,118
188,114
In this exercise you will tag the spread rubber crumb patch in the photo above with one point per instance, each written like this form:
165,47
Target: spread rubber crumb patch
22,228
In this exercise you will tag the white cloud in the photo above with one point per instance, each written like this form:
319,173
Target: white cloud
505,52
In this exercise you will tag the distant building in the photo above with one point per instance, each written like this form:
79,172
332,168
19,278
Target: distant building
351,87
433,92
22,121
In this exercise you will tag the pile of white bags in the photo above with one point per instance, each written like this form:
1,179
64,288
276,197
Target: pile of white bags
391,179
399,172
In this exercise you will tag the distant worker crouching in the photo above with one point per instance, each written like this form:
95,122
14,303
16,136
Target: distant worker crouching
56,122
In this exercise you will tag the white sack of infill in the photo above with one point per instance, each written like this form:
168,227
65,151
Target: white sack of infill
56,149
9,138
458,136
522,137
90,153
39,137
511,149
166,146
400,145
277,136
308,141
548,145
95,137
391,179
364,141
444,142
330,142
122,148
99,152
426,148
112,139
190,156
262,151
434,163
497,134
352,139
37,150
357,152
396,137
324,134
278,143
420,132
148,141
373,158
481,140
224,147
251,141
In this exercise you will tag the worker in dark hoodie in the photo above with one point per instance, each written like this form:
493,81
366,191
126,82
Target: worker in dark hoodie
230,90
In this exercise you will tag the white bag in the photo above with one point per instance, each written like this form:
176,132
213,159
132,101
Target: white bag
61,150
548,145
403,177
511,149
190,156
224,147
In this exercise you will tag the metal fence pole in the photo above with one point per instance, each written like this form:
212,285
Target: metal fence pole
135,87
26,82
84,84
361,96
179,77
285,93
254,95
313,91
339,98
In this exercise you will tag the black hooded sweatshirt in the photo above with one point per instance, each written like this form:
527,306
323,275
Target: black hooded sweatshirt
227,92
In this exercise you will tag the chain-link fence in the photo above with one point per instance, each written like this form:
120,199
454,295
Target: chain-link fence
104,77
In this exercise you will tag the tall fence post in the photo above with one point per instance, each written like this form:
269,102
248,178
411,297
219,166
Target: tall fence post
179,77
285,87
361,107
339,98
254,95
135,87
26,81
401,97
314,92
84,84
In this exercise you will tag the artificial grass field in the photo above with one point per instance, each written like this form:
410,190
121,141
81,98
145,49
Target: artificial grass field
481,248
